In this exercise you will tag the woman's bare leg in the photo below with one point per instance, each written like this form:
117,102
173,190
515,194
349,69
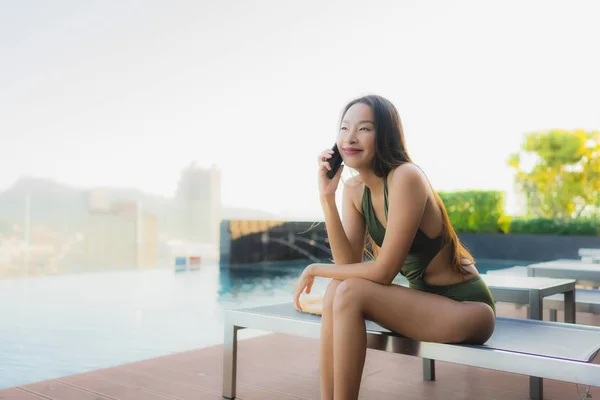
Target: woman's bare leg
349,346
327,341
419,315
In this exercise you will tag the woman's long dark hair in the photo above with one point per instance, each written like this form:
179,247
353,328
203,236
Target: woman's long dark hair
390,152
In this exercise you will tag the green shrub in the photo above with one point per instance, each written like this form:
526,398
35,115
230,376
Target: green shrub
576,227
480,211
476,211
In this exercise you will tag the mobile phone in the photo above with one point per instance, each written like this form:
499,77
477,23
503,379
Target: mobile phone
335,162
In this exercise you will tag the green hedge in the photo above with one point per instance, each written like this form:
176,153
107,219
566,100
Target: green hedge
577,227
480,211
476,211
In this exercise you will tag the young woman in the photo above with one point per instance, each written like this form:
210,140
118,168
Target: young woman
391,203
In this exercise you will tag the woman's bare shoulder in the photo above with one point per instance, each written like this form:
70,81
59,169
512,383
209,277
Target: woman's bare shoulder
408,171
354,189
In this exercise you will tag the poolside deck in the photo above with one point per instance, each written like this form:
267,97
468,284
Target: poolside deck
286,367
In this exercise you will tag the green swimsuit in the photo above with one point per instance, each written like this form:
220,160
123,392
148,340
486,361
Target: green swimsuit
422,251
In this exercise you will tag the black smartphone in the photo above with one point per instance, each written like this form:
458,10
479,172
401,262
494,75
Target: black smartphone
335,162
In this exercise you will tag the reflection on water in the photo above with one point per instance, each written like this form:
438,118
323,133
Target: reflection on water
235,283
61,325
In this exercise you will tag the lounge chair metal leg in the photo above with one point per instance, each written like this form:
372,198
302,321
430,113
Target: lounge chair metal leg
229,361
536,311
570,306
428,369
553,315
536,388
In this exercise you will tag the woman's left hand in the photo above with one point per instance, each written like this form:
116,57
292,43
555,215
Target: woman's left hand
304,284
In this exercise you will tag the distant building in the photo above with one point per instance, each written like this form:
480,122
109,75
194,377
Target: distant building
198,204
121,237
99,200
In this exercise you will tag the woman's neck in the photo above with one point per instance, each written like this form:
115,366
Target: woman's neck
372,181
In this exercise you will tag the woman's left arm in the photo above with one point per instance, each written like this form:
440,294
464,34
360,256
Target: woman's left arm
407,197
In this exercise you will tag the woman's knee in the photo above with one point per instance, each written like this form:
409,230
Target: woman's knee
348,294
330,293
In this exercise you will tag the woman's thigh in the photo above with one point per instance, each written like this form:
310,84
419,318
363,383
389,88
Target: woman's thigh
417,314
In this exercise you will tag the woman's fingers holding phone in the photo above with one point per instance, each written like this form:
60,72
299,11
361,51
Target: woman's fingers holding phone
325,154
323,157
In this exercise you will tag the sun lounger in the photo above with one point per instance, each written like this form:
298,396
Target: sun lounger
587,300
592,255
584,272
552,350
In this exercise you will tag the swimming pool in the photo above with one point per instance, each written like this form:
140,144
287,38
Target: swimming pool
61,325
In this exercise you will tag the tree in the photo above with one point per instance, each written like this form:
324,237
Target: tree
563,181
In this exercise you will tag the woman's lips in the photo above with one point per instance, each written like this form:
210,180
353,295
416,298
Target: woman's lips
350,150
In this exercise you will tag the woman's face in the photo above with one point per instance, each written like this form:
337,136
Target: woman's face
356,138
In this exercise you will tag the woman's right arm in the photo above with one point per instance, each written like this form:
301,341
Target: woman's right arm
347,237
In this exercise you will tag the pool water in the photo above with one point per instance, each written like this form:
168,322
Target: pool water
61,325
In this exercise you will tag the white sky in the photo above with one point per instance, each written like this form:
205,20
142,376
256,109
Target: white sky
127,92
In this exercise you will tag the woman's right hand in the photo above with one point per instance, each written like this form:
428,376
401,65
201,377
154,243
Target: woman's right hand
327,187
